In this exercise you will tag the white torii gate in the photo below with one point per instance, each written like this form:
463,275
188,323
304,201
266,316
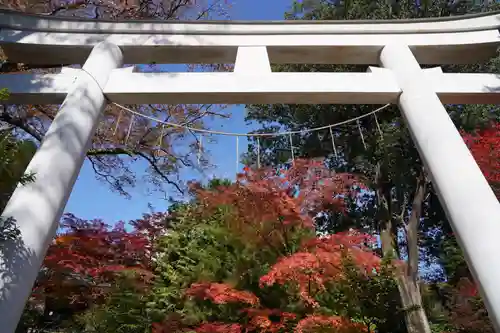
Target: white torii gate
103,46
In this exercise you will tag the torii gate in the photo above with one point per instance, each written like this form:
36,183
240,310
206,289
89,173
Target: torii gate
103,46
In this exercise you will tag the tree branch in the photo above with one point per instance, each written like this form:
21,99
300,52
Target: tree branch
152,162
40,109
19,123
123,151
209,8
110,151
110,179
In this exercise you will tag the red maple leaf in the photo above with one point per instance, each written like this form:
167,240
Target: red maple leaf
221,293
484,145
320,261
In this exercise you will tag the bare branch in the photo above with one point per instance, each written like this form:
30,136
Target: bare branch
110,179
19,123
208,9
150,159
152,162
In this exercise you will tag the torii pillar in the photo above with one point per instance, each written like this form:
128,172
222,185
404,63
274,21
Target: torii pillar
466,197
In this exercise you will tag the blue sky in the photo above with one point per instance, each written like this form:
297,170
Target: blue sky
93,199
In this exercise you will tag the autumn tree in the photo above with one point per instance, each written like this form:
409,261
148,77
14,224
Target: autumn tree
241,256
245,257
124,144
85,264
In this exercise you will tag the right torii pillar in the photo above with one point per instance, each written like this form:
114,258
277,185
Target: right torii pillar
468,200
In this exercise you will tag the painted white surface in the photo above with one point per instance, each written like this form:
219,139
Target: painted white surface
469,202
38,206
73,48
254,83
13,20
35,39
252,60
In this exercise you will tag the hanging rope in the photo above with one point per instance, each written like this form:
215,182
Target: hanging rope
256,135
160,138
378,126
258,153
237,153
361,133
200,147
130,128
118,122
200,130
291,147
333,144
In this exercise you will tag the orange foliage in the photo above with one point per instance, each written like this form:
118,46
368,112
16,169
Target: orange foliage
266,208
267,205
218,328
318,323
221,293
320,262
260,320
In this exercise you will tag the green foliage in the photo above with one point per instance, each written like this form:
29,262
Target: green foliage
15,155
8,230
194,250
204,248
125,310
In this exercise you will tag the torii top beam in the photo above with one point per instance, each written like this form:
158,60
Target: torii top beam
36,39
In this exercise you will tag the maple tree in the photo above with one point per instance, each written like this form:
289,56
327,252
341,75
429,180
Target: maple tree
87,260
267,205
242,256
275,274
321,261
484,145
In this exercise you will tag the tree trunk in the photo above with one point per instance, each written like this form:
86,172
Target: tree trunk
411,298
406,279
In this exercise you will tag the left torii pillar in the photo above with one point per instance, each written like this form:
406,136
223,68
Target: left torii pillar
37,207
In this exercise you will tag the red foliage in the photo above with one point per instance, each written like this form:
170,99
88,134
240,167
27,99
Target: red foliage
267,205
218,328
203,328
485,147
318,323
93,249
467,288
221,293
83,261
320,262
468,312
260,321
